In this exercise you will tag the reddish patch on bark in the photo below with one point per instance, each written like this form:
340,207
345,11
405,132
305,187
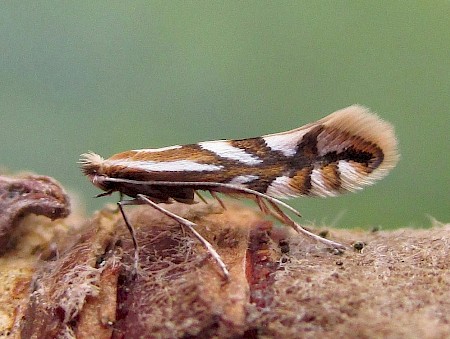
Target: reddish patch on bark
260,266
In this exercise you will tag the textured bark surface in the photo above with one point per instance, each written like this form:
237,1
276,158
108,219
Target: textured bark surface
394,284
28,194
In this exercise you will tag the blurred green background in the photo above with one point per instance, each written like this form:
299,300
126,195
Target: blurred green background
112,76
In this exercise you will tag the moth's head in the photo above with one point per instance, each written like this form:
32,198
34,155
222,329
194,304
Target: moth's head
92,165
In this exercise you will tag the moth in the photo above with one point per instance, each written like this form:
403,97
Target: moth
343,152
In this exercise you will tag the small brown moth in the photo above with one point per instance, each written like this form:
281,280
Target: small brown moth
342,152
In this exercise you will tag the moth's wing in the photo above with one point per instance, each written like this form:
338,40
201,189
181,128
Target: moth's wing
344,151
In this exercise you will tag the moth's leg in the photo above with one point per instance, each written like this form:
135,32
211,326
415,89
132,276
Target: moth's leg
131,229
277,212
209,186
262,204
200,197
191,226
263,207
215,196
104,194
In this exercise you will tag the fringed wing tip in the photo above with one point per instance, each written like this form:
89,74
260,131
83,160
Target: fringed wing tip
359,120
356,133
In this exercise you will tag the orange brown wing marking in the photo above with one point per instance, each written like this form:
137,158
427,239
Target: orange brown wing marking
331,177
301,181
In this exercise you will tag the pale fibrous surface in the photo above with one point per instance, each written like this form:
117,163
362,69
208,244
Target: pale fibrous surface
281,286
344,151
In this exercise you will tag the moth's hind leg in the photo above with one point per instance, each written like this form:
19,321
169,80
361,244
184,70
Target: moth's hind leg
280,215
191,226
